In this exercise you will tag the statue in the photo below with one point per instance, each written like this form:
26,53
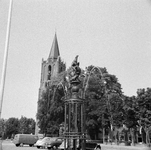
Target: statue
72,78
75,71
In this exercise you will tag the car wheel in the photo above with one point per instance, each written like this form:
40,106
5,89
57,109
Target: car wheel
17,145
38,146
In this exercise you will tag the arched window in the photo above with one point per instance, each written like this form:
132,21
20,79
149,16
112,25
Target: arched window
49,72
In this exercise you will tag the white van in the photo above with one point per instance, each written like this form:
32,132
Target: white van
27,139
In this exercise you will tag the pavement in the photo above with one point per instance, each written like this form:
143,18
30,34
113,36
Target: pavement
123,147
107,146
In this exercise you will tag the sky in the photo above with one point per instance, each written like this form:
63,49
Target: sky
115,34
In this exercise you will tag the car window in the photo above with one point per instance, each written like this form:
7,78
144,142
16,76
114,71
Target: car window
52,139
58,139
46,139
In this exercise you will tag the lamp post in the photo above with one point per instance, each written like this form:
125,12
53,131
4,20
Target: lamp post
5,56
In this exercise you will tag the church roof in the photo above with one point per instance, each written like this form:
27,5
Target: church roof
54,52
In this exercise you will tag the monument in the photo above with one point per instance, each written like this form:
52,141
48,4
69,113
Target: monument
74,134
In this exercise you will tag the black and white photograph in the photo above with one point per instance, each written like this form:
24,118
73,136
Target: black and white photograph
75,74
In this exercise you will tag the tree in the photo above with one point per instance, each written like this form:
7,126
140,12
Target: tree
51,106
26,125
2,127
11,127
144,111
130,116
102,88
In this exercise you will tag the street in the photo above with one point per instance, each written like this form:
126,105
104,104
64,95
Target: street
8,145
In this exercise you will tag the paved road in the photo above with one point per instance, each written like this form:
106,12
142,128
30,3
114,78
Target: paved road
8,145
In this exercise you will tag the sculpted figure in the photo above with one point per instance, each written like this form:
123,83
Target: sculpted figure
75,71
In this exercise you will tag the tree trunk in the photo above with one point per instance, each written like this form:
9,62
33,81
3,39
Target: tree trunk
103,135
136,137
147,137
115,135
132,136
111,136
97,134
126,137
117,138
143,136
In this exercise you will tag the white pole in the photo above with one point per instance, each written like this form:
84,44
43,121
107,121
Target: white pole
5,56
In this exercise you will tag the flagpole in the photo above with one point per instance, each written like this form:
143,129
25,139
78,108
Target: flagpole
5,56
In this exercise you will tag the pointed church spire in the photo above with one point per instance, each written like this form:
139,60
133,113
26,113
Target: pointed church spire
54,52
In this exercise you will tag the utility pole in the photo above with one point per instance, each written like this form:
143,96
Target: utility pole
5,56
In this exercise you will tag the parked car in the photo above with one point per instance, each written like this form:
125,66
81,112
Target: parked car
54,143
62,145
27,139
42,143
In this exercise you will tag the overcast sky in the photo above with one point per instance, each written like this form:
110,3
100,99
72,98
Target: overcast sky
115,34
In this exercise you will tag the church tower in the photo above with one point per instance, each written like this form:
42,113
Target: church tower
50,68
